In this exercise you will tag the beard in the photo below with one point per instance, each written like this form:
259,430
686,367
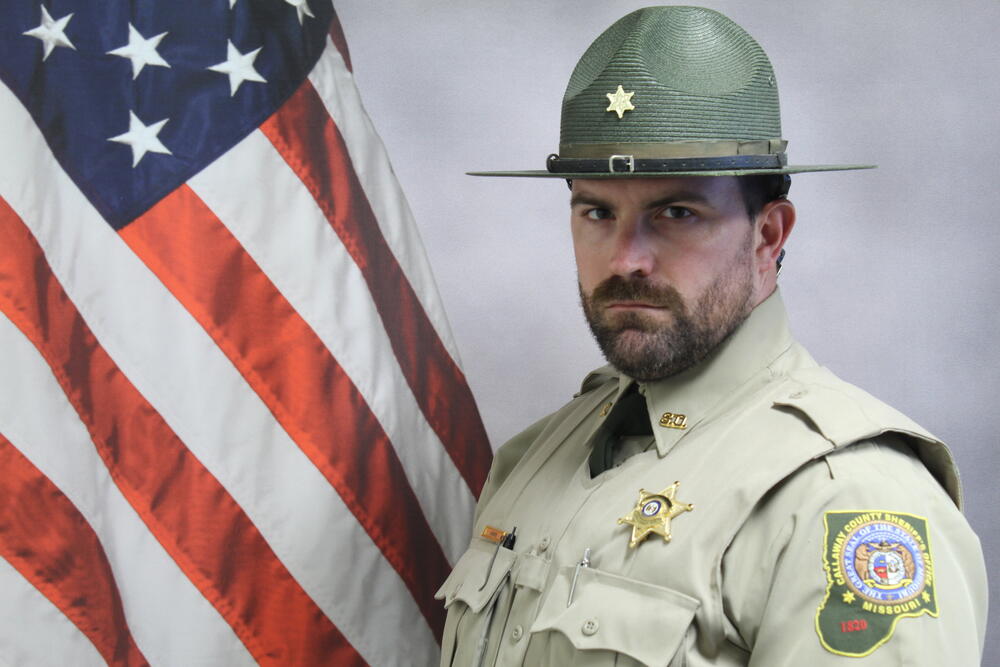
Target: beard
648,349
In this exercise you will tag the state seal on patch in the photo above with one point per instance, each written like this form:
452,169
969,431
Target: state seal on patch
879,569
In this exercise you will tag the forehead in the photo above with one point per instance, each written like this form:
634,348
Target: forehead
717,190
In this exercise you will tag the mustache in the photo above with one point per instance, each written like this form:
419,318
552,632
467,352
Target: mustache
617,288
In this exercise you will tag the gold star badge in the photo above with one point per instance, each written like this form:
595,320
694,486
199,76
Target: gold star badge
620,101
653,512
848,597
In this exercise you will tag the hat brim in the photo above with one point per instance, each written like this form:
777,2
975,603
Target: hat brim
790,169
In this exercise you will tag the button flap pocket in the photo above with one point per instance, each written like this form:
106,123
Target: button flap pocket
643,621
473,580
531,571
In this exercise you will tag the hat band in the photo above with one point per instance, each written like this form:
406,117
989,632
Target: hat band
675,149
625,164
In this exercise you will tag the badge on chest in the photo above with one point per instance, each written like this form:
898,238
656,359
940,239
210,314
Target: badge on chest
652,514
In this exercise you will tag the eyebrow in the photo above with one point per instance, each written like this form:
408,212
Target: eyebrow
673,198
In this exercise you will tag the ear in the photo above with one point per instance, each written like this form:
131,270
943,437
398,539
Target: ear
771,229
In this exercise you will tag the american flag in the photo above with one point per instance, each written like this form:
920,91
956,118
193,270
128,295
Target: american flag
232,424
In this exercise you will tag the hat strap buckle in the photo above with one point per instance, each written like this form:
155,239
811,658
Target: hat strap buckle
629,164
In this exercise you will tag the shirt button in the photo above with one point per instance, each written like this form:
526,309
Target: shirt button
589,626
544,543
516,633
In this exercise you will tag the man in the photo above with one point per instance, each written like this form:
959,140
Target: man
713,496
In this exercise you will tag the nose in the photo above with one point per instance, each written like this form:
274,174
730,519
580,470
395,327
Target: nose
632,253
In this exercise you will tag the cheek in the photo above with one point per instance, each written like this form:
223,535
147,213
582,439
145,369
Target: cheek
686,273
589,271
591,266
695,269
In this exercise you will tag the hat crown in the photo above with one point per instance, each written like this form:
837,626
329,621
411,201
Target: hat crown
695,74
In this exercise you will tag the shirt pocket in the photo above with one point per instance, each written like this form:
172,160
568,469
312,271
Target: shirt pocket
468,591
611,616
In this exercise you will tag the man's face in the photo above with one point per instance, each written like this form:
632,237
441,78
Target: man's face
666,268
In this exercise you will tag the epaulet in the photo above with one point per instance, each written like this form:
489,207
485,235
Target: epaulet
596,378
845,414
842,412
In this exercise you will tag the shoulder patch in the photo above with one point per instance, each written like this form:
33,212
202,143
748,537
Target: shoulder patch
878,569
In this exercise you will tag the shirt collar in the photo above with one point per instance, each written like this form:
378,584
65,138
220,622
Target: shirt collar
679,403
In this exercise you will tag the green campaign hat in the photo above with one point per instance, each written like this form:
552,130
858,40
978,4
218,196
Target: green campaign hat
671,91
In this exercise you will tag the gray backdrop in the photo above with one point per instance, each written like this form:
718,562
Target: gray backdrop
891,277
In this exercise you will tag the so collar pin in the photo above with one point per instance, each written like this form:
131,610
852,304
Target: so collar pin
652,514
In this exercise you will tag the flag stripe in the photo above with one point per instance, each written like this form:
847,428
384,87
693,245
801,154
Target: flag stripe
304,258
37,417
337,35
51,544
335,85
34,631
285,362
176,497
312,145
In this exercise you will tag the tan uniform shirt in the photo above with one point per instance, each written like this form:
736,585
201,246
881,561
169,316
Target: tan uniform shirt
824,525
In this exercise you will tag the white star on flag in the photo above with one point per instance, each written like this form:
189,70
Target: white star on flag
239,67
302,8
51,32
142,138
141,51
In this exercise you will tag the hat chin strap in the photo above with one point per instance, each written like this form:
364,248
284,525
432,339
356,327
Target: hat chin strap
660,157
692,148
625,164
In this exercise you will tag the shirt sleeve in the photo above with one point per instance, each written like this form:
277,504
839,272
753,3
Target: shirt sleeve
848,534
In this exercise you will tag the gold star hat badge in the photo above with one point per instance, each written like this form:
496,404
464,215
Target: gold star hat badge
653,512
620,101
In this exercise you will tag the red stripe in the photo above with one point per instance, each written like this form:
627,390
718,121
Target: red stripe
50,543
302,131
288,366
184,506
337,35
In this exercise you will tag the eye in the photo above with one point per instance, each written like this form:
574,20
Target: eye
676,212
597,214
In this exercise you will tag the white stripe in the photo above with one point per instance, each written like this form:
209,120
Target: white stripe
310,266
37,419
335,85
177,367
34,631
